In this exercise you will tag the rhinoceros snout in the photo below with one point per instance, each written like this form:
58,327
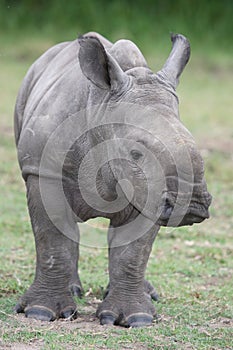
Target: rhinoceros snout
180,210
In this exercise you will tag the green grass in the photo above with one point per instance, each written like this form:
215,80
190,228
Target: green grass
191,267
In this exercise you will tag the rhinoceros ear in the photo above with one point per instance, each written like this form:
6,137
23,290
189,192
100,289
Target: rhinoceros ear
176,61
99,66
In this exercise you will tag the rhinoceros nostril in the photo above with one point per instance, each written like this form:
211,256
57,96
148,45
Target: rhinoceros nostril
167,209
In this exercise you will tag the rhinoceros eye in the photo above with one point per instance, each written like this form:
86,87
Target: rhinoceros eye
135,154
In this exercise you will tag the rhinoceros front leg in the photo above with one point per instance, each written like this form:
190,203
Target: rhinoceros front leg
56,279
127,303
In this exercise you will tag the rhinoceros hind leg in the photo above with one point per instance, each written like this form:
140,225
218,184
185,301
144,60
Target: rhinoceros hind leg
76,290
149,289
69,312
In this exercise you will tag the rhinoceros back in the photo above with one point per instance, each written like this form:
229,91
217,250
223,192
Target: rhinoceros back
53,89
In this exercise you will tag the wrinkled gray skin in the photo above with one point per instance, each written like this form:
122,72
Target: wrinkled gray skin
101,79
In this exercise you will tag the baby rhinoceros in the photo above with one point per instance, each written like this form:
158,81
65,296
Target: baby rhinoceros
98,135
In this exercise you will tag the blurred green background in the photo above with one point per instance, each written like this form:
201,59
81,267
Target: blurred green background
208,24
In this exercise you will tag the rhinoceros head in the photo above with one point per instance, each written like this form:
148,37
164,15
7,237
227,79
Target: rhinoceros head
153,157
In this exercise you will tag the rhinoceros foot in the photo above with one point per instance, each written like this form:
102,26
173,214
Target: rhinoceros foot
127,312
48,305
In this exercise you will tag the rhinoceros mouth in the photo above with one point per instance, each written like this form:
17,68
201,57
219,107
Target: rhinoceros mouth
176,214
192,216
